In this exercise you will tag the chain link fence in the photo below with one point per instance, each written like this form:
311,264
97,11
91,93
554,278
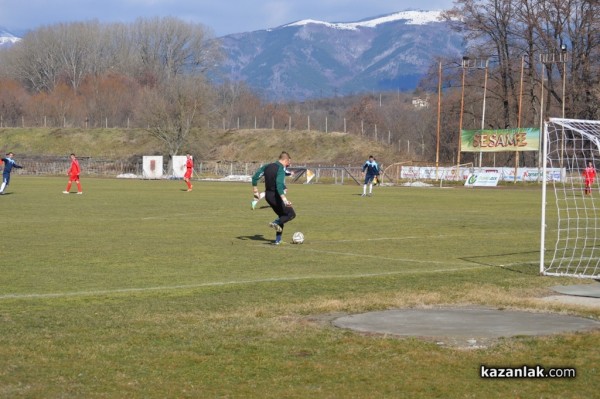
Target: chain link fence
48,166
133,168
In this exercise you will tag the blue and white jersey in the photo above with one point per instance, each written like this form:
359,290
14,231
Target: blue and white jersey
9,163
371,168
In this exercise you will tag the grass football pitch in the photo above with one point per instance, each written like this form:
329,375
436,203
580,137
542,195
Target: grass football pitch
138,289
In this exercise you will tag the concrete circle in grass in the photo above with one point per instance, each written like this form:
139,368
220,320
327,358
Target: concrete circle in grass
464,326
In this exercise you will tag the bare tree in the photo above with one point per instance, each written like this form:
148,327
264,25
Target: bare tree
236,102
34,61
12,100
584,32
109,96
168,47
490,24
170,111
165,47
516,30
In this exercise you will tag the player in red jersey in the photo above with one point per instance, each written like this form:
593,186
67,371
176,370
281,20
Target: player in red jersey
189,168
589,174
73,173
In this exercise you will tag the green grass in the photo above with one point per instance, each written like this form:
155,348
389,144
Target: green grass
137,289
105,143
245,145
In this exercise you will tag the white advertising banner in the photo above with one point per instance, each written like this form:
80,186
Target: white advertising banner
526,174
482,180
504,173
152,166
433,173
179,162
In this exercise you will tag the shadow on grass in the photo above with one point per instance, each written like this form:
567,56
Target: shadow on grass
503,261
255,237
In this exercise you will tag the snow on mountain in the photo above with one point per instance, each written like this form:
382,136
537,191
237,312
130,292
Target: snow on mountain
7,38
410,18
308,58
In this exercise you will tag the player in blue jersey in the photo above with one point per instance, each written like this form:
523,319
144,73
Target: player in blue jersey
9,164
274,174
371,171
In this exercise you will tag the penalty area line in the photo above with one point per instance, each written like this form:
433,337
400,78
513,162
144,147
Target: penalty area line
379,257
386,239
163,217
442,236
228,283
373,239
435,262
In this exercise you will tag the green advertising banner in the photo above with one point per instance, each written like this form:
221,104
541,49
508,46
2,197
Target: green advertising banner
500,140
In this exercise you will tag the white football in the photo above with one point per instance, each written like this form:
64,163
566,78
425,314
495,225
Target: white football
298,238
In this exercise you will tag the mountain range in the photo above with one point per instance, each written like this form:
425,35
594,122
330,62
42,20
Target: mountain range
308,58
311,59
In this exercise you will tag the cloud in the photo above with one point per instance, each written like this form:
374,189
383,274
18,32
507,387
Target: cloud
277,13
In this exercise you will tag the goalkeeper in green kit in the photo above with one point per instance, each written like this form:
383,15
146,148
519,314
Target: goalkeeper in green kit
274,174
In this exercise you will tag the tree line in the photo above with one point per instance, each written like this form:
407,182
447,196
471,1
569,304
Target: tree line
161,75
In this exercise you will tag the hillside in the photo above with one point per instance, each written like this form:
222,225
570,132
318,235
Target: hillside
304,147
312,59
243,145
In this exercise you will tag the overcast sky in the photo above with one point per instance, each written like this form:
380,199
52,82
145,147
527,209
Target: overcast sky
221,16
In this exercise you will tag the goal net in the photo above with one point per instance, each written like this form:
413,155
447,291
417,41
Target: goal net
570,231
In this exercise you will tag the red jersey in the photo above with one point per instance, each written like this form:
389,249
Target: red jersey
74,169
189,167
589,174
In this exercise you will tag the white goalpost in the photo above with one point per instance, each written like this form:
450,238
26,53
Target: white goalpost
570,230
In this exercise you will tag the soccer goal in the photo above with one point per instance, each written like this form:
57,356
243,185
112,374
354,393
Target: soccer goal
570,231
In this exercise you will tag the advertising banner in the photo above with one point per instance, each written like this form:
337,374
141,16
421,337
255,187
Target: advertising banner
179,162
152,166
482,180
500,140
503,173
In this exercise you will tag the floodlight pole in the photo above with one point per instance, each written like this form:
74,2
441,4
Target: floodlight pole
462,107
485,79
468,63
519,116
439,112
550,58
540,165
563,59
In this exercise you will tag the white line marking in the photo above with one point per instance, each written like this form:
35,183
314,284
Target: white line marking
377,239
519,263
224,283
173,215
453,236
406,260
353,254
